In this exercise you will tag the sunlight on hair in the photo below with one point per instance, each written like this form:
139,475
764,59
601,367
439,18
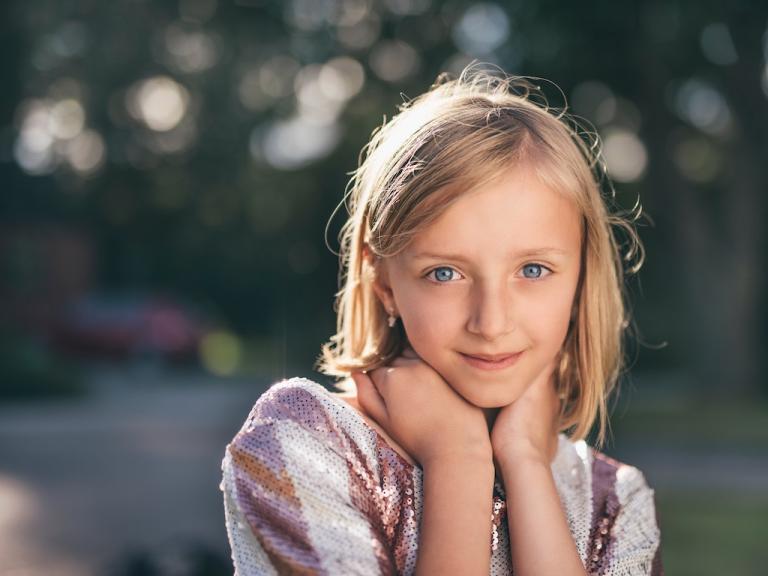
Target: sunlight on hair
465,131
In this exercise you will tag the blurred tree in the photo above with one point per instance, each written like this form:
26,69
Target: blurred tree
203,144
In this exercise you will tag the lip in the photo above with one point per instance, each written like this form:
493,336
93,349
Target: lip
492,362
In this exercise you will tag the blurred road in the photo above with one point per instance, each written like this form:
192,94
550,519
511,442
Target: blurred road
136,466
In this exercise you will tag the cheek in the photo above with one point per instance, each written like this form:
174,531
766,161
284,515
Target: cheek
548,317
428,321
427,317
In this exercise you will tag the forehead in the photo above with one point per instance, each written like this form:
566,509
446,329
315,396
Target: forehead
514,212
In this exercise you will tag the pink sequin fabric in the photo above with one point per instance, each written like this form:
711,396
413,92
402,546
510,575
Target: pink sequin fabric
310,488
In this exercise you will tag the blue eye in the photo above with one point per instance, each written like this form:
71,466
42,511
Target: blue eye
534,271
443,274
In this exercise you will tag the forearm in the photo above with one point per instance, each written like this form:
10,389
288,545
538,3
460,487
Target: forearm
455,535
540,540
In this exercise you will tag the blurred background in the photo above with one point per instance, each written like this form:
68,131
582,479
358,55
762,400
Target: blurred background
168,169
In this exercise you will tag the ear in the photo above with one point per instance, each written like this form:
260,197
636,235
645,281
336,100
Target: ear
380,281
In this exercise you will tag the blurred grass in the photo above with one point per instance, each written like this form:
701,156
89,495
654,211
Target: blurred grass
689,419
713,533
705,532
710,532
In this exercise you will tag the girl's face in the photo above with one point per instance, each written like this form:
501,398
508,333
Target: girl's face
495,275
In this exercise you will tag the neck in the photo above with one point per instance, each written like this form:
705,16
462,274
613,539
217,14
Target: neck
490,416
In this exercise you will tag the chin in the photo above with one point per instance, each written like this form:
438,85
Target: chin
490,400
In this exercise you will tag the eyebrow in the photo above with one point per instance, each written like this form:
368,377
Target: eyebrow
545,251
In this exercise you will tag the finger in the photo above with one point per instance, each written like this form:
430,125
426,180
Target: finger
369,398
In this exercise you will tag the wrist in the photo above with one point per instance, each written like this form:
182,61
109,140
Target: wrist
520,453
478,460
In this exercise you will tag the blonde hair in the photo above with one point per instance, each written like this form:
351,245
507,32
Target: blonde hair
456,136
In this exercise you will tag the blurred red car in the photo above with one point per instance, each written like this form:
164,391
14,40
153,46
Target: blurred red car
131,327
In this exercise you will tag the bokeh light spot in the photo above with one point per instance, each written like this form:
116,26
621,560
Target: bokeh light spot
86,152
717,44
394,60
703,106
33,148
189,51
697,159
625,155
360,35
67,119
221,352
277,75
197,11
293,143
595,101
481,29
407,7
160,102
341,78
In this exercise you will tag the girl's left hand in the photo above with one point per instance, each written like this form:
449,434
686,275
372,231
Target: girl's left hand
527,427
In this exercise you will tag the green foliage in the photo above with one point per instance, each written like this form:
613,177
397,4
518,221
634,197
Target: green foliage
212,219
32,371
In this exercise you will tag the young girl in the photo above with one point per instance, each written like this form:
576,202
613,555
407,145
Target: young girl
480,329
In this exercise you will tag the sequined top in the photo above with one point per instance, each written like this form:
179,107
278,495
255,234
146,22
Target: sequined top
311,488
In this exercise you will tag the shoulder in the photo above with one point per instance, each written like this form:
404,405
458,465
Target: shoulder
622,534
613,483
625,503
298,410
290,494
297,399
614,476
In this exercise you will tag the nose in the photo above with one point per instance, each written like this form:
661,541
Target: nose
490,315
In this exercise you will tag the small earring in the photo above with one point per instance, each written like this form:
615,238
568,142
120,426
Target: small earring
391,319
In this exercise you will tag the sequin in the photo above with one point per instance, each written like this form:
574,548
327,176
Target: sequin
310,488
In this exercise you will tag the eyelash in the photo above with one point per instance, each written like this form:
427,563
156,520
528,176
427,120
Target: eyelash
524,266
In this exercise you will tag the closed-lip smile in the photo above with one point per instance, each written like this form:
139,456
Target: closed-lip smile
492,361
492,357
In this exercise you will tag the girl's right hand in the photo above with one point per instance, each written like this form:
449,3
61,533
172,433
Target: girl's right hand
420,410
